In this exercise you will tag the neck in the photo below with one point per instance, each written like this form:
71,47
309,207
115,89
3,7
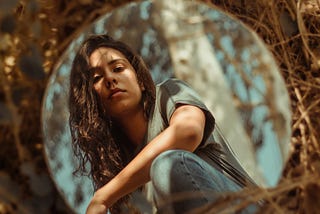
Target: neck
135,127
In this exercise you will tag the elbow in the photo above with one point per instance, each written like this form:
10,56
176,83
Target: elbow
189,133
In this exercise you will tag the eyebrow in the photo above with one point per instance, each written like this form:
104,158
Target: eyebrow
111,62
117,60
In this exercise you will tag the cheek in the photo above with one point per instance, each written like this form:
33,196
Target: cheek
98,89
140,95
139,89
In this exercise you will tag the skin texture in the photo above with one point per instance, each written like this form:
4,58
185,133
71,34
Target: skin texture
116,84
185,130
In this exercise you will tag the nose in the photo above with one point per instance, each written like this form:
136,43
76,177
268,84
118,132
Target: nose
110,80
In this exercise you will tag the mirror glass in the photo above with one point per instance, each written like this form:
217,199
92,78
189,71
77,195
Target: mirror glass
222,59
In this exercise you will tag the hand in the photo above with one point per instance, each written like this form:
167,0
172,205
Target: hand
96,207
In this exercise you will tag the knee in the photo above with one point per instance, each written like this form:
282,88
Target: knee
165,170
164,163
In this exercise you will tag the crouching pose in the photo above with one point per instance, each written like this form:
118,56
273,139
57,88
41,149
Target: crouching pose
138,136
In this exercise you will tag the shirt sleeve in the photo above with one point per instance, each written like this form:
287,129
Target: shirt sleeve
173,93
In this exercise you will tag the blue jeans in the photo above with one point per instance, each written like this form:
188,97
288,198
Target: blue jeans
182,181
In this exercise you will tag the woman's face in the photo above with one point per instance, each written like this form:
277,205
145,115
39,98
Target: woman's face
116,83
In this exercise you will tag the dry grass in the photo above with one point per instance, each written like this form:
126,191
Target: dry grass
41,30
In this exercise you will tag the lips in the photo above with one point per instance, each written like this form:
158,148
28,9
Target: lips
114,92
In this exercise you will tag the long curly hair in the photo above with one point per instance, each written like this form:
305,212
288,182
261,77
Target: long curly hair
95,140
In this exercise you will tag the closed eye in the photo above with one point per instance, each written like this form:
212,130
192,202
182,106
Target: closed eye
118,69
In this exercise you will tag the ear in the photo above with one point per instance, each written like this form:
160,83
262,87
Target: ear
142,87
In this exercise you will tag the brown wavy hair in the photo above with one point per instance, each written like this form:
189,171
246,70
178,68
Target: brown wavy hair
94,139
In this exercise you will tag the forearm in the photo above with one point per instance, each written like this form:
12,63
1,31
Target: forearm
137,172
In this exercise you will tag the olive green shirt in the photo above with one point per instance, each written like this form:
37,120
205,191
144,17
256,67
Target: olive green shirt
169,95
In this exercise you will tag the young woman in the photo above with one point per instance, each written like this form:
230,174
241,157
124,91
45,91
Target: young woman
138,136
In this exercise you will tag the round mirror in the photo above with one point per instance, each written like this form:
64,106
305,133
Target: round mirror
224,61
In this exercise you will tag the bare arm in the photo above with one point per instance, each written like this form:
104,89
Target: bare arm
185,132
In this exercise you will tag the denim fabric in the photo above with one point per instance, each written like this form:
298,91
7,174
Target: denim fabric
187,181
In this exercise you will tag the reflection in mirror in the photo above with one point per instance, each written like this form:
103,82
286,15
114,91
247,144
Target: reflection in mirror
225,62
